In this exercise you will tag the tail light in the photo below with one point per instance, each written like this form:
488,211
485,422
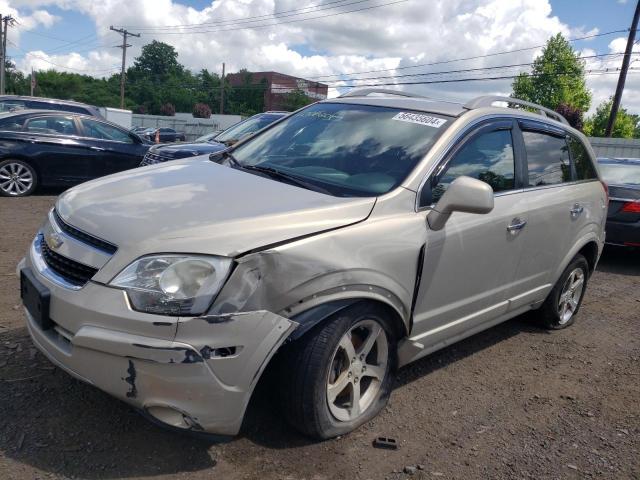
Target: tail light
631,207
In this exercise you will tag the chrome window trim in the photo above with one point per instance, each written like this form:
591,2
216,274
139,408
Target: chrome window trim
43,268
617,199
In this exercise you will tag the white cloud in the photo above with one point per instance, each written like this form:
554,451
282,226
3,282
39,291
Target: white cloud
392,37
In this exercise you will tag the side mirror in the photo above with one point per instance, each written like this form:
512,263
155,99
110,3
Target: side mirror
465,194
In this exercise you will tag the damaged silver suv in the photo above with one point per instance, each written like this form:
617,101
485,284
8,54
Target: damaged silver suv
351,238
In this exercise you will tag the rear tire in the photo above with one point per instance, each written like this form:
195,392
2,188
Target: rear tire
17,178
340,374
561,306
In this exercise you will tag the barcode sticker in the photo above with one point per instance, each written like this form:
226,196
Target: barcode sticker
420,119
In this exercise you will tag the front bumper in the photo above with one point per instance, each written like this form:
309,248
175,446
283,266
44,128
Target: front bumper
623,233
190,373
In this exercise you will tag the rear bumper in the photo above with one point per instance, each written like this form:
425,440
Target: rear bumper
199,378
623,233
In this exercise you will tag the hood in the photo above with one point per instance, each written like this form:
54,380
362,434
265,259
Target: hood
199,206
184,150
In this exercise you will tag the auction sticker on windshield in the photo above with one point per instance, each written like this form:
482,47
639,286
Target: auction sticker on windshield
420,119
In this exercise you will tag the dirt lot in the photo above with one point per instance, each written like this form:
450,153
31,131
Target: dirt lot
512,402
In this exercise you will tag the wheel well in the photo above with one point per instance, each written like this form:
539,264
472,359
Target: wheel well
590,252
317,315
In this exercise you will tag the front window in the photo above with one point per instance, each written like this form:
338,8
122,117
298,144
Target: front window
242,129
348,150
620,173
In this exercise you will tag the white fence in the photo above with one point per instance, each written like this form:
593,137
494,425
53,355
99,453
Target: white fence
616,147
192,127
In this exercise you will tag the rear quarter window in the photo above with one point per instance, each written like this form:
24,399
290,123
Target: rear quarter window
585,170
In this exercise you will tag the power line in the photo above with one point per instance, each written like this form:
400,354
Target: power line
30,54
270,16
496,67
285,22
476,57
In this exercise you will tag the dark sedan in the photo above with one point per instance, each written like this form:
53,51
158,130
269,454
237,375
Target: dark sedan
163,135
41,147
228,137
623,221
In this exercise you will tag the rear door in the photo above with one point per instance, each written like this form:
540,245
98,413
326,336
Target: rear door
551,199
63,156
117,148
469,266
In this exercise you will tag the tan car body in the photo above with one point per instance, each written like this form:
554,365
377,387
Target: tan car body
299,256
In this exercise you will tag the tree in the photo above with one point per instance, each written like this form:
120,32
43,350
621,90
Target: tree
201,110
168,109
626,125
572,114
557,77
294,100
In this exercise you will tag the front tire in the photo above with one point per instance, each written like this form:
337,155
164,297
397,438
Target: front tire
561,306
339,376
17,178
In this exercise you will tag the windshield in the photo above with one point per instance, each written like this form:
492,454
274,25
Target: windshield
620,173
350,150
250,125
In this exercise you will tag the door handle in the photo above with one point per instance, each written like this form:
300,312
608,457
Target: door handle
576,210
516,224
97,149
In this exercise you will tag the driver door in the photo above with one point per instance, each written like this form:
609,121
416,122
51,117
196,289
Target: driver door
469,266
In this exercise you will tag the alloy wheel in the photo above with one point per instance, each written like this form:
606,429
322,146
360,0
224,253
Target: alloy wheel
15,179
357,370
570,296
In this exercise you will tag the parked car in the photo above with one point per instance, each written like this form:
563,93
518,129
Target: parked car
165,135
138,130
11,103
357,235
45,148
220,141
623,220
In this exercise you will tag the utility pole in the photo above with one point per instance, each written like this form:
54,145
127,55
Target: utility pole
5,22
222,91
124,46
623,72
33,82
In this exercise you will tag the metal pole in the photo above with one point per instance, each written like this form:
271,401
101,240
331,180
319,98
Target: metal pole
124,46
32,82
623,73
222,91
2,54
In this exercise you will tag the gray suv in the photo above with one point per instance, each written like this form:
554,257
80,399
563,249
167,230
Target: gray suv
355,236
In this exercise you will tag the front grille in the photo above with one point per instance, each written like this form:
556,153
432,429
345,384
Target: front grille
72,271
84,237
152,158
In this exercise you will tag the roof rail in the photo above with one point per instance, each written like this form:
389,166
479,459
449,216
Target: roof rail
363,92
489,100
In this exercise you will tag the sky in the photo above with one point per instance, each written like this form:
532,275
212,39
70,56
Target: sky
334,41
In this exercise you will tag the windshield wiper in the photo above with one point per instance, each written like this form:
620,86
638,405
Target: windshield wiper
227,154
287,177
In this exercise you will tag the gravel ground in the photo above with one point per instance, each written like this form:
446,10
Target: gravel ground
512,402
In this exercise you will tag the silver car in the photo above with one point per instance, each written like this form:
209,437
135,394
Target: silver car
347,240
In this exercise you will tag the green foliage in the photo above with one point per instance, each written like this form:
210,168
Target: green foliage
247,98
156,78
557,77
625,126
294,100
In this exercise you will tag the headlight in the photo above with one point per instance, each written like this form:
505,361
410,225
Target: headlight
173,284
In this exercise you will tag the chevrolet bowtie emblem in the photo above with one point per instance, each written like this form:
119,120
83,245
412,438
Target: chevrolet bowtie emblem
53,240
